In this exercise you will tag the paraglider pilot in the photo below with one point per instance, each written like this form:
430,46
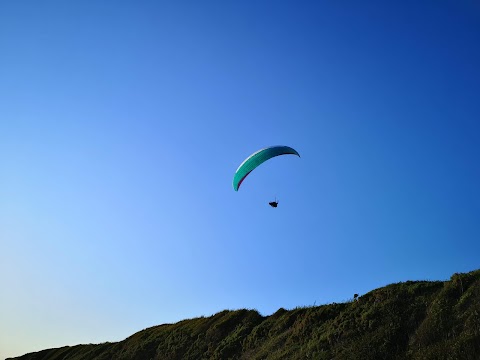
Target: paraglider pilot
273,203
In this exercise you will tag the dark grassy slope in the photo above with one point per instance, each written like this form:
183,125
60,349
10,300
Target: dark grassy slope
411,320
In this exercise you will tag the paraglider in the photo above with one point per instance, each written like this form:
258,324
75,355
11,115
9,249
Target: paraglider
273,203
258,158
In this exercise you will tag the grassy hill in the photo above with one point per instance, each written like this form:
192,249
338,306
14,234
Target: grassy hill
409,320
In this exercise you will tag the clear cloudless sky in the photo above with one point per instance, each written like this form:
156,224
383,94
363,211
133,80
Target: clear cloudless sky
123,122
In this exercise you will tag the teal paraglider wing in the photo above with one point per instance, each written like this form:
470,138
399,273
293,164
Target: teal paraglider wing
258,158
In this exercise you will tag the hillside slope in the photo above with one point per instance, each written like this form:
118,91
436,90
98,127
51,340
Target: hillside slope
410,320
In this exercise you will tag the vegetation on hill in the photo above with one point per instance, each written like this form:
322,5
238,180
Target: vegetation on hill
409,320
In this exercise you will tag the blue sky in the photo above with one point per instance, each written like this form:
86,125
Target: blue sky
122,124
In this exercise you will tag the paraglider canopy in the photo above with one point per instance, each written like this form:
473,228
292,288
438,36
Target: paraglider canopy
256,159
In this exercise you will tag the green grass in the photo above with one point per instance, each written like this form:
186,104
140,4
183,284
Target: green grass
409,320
